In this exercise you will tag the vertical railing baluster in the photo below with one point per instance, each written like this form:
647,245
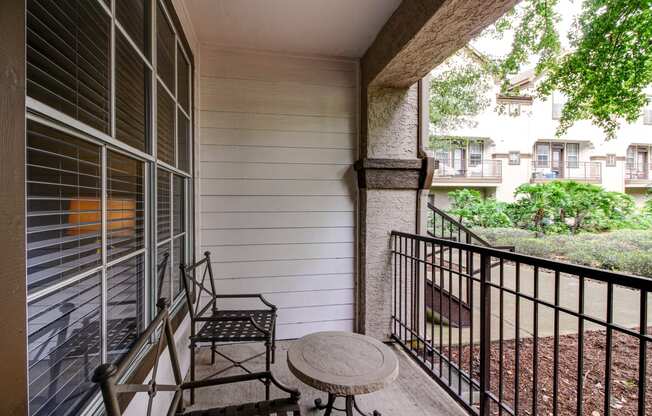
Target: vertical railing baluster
485,333
441,308
469,274
517,338
555,362
432,306
580,349
394,292
535,346
500,336
459,327
400,288
608,358
450,313
642,355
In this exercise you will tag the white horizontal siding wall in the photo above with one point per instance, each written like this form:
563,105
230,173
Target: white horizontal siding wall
277,195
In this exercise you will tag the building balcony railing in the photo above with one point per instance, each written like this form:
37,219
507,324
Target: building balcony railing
510,334
579,171
467,170
637,172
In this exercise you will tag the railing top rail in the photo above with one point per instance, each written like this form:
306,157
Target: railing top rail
458,224
617,278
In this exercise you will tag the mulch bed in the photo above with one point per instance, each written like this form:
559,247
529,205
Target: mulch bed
624,374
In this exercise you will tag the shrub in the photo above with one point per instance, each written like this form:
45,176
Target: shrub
471,209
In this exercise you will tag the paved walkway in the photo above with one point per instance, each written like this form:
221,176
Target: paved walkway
626,306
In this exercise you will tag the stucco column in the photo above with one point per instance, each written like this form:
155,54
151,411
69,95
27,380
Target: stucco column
390,175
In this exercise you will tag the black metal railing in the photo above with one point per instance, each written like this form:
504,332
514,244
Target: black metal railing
543,337
579,171
469,168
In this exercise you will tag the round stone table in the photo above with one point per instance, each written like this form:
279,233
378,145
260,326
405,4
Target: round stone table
343,364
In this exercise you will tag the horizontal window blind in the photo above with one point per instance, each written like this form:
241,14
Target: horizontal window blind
69,60
164,284
63,206
163,204
178,255
183,142
125,205
183,81
125,305
165,49
133,16
132,96
165,124
178,204
64,348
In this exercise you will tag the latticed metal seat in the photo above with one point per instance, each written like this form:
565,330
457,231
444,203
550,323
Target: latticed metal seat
234,326
110,378
212,325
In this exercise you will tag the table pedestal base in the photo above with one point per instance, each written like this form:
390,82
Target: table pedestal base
350,405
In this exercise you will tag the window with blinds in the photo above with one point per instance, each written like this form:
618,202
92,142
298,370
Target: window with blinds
163,205
125,308
165,124
132,96
64,348
89,191
165,47
69,59
63,206
164,285
133,16
183,81
183,142
125,205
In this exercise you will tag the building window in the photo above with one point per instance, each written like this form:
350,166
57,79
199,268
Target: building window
558,102
573,155
611,160
647,111
475,153
514,109
515,158
105,196
542,155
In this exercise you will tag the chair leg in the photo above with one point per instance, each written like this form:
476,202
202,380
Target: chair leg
274,345
268,347
192,371
213,353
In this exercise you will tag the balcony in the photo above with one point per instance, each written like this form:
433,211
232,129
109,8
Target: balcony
467,172
637,176
589,172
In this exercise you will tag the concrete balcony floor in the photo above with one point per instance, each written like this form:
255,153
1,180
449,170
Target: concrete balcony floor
412,394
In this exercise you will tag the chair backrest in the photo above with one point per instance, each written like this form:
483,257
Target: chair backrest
196,286
160,272
110,377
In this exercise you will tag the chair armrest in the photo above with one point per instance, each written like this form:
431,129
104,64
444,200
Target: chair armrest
248,296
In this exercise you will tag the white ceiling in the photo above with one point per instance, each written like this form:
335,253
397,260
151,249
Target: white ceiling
343,28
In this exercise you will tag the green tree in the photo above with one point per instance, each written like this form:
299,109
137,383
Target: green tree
458,91
603,75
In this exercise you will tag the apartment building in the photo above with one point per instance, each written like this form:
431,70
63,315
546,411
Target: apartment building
514,142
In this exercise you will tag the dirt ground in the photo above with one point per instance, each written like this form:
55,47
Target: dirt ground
624,374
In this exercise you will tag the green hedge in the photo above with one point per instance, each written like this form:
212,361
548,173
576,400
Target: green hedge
628,251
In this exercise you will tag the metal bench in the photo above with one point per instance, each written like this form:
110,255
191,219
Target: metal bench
159,335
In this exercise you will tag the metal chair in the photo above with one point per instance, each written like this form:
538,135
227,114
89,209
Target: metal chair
209,324
110,378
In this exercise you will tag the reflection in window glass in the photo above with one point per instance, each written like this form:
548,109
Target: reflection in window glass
183,142
179,258
163,204
64,347
125,205
125,305
178,205
164,286
134,18
64,220
165,49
